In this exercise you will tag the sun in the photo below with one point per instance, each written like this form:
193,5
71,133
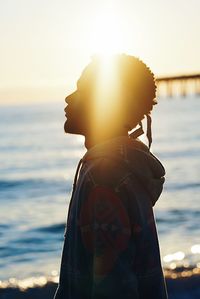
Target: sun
107,36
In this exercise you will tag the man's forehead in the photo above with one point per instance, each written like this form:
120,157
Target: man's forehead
86,80
78,83
82,83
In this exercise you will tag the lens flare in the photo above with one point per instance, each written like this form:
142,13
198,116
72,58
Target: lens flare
106,96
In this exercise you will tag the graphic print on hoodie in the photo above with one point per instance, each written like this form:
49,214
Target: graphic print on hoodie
111,247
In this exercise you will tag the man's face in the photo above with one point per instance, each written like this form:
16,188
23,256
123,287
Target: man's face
76,111
95,106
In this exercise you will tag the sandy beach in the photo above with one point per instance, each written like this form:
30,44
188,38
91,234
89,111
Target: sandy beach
180,288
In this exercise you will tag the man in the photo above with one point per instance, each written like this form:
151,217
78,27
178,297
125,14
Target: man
111,247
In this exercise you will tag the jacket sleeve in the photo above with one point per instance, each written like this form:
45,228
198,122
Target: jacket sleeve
106,234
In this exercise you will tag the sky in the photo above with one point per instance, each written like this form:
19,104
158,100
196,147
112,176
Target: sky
45,44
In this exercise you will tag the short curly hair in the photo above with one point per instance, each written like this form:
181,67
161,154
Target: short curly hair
138,88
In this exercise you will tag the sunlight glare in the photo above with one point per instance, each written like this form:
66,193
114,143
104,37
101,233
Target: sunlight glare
195,249
107,92
177,256
107,34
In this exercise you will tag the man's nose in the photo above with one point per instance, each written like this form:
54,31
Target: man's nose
69,98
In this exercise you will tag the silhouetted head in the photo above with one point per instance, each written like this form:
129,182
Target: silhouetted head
112,97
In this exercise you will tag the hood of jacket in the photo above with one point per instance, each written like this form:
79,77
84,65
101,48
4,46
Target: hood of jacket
139,160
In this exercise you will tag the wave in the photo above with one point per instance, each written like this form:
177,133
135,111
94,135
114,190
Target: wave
179,154
55,228
175,216
182,187
7,184
33,188
33,242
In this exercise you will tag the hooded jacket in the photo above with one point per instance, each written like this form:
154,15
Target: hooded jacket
111,246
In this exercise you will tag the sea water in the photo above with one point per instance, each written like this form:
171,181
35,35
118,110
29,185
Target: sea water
37,166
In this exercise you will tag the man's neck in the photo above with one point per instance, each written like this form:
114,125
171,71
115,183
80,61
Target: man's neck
90,142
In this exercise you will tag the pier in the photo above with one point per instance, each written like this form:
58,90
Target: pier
181,85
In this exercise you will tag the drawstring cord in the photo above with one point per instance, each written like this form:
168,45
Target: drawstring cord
149,132
137,132
74,184
140,131
76,176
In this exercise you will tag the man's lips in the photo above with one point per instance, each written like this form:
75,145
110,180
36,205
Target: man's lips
66,112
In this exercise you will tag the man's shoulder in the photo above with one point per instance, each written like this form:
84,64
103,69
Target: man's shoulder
107,171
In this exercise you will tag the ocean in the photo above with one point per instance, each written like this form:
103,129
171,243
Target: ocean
37,166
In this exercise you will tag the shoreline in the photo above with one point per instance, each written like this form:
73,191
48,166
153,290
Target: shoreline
180,284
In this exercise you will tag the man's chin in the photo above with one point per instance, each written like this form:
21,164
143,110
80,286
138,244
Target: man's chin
67,127
70,129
